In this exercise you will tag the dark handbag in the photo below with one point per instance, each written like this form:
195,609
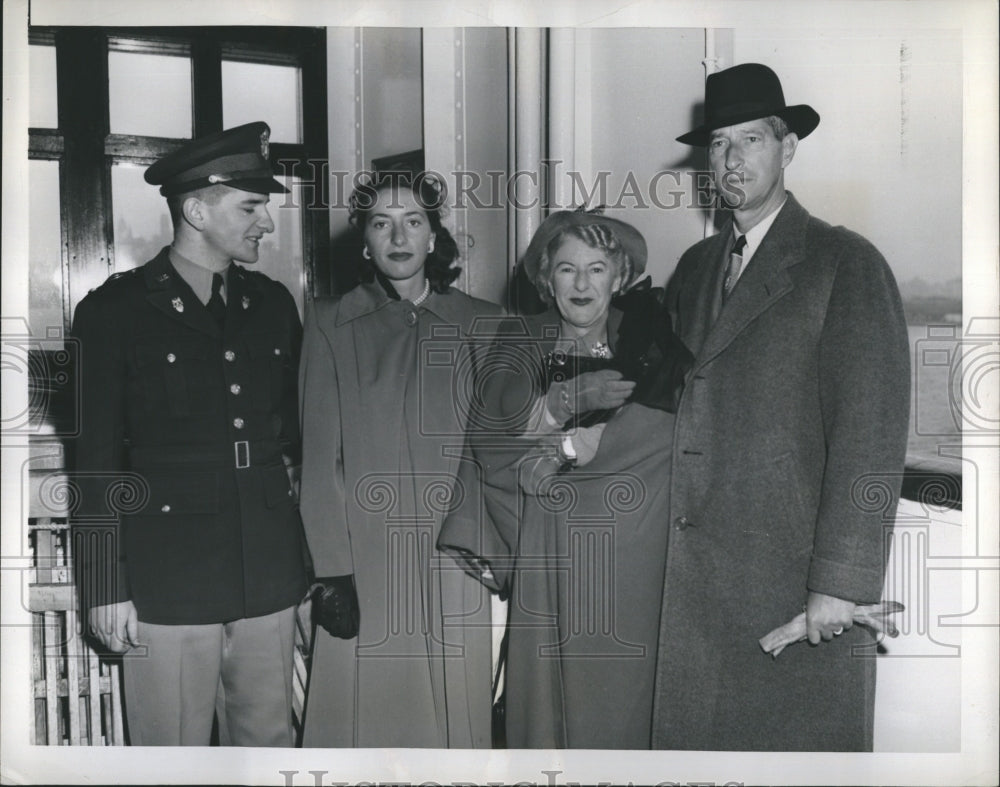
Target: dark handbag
647,351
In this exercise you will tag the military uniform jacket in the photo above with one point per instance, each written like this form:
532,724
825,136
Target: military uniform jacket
184,504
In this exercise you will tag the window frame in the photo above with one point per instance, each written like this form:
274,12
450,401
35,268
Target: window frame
86,150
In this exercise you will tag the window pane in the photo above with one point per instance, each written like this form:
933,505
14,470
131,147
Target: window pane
45,301
255,91
281,251
141,220
149,94
42,108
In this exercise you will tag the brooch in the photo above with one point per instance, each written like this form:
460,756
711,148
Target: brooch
178,304
600,350
246,301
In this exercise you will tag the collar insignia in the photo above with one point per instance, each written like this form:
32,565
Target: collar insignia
178,304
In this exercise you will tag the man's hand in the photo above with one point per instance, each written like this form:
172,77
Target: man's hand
116,626
827,617
294,478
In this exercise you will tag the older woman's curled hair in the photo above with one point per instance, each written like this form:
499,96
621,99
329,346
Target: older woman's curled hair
598,236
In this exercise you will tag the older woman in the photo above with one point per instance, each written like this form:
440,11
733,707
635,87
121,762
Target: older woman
381,435
572,446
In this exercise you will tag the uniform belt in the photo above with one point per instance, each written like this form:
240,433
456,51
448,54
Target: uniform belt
240,455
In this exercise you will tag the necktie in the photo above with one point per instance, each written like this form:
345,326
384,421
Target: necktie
217,306
733,268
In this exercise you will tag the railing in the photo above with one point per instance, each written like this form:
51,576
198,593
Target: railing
77,690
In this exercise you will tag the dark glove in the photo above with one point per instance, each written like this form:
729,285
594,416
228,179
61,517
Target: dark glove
335,606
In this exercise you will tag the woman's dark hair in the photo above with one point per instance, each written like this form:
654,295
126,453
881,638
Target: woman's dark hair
431,194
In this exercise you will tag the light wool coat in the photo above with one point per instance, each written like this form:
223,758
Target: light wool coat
787,459
384,425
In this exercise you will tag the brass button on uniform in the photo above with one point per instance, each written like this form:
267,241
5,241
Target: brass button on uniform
235,389
165,509
277,351
238,423
171,357
230,356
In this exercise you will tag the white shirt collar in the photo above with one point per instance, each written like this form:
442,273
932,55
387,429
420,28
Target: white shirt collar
756,234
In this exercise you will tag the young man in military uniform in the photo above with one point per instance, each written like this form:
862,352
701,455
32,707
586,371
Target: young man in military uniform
187,538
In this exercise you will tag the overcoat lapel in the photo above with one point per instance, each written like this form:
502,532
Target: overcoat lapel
702,292
764,282
168,293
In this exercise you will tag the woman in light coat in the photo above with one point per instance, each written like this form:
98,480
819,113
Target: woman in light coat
396,661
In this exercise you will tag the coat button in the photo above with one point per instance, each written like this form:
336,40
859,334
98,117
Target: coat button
235,389
411,318
230,356
165,509
682,523
238,423
171,357
277,351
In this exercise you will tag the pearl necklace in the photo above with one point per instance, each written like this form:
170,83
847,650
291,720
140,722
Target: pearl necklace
423,296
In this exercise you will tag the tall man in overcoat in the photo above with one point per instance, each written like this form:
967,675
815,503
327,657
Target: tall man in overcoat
789,445
187,541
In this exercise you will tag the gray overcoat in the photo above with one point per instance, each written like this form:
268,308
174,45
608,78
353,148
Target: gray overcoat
787,456
383,419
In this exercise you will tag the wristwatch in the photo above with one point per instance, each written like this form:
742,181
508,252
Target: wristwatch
567,454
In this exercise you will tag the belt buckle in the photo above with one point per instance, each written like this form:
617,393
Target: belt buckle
242,450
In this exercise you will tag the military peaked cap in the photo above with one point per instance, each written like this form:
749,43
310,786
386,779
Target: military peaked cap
237,157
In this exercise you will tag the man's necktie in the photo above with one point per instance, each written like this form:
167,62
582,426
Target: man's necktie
217,306
733,268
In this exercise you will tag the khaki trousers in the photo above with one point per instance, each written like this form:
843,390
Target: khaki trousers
185,675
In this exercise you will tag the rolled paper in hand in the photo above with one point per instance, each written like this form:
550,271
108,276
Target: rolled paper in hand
875,616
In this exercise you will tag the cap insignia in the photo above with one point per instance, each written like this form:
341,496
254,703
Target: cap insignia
246,301
264,147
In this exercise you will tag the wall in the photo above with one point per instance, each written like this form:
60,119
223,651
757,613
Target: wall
375,98
645,88
886,159
392,98
486,151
